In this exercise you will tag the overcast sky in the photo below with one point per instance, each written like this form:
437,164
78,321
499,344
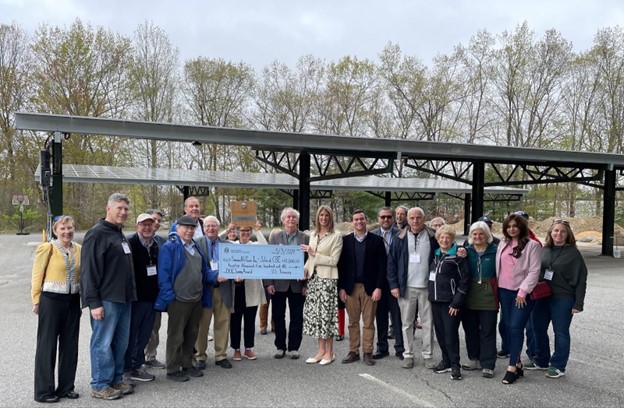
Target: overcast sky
261,31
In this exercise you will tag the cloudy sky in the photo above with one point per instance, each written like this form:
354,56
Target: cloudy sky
258,32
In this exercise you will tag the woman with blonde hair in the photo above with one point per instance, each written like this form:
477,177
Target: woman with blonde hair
55,295
321,303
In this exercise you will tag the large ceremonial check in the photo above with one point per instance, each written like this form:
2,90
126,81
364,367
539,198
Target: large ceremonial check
251,261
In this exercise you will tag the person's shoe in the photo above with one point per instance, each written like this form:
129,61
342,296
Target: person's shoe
502,354
339,338
108,393
249,354
442,367
124,388
127,380
368,359
487,373
263,330
141,375
50,399
380,354
472,365
408,362
71,394
192,372
350,358
399,355
390,335
200,364
178,376
154,364
456,373
329,361
312,360
509,378
294,354
237,355
554,373
279,353
224,363
532,366
430,364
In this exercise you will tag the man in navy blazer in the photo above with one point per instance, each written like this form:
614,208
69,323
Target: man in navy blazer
285,289
388,303
361,275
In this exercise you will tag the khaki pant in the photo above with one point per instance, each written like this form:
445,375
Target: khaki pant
221,329
416,298
360,304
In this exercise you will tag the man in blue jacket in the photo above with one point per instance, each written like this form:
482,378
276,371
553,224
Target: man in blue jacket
183,279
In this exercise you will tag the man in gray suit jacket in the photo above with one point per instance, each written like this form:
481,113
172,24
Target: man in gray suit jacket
222,301
291,290
388,303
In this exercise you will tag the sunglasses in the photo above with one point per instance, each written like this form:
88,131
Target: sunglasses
564,222
385,217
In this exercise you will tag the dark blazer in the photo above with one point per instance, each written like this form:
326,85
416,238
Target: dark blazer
374,264
226,289
282,285
394,231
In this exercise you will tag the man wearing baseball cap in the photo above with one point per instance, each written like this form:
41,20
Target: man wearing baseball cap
489,223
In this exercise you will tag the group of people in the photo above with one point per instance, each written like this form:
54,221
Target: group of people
403,272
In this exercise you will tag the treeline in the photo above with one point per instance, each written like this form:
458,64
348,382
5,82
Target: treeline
508,89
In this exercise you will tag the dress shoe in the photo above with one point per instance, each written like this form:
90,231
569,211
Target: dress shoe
70,394
200,364
49,399
192,372
350,358
380,354
326,362
368,359
279,353
312,360
224,363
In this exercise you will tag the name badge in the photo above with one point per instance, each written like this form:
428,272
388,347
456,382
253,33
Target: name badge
549,274
126,248
432,276
151,270
414,258
214,265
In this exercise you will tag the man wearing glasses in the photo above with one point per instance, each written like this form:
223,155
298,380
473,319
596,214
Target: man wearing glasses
387,303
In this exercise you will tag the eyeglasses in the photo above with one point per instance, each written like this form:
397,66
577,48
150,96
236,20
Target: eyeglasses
385,217
564,222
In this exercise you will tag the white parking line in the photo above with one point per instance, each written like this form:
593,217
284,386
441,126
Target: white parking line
419,402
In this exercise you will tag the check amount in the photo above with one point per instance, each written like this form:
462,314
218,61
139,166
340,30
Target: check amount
251,261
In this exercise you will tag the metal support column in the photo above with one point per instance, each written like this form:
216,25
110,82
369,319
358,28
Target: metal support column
608,213
478,181
467,206
56,195
304,190
388,199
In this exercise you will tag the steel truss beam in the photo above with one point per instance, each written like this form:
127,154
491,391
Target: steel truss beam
404,196
491,197
196,191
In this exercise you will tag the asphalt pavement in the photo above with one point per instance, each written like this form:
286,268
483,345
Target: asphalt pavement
593,376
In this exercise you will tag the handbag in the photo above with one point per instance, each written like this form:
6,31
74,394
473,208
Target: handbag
541,291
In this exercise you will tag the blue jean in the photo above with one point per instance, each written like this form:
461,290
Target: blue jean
141,324
109,341
515,320
559,312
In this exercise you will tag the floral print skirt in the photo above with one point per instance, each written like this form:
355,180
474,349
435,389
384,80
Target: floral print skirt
320,311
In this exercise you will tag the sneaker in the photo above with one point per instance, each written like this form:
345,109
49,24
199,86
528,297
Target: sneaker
429,364
141,375
554,373
442,368
192,372
154,364
502,354
123,387
487,373
456,373
125,378
249,354
279,353
106,394
237,355
532,366
472,365
177,376
408,362
294,354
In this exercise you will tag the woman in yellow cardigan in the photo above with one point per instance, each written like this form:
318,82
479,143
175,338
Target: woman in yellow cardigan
56,300
321,303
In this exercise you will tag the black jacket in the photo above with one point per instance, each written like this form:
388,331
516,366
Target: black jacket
374,264
146,286
452,279
106,271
